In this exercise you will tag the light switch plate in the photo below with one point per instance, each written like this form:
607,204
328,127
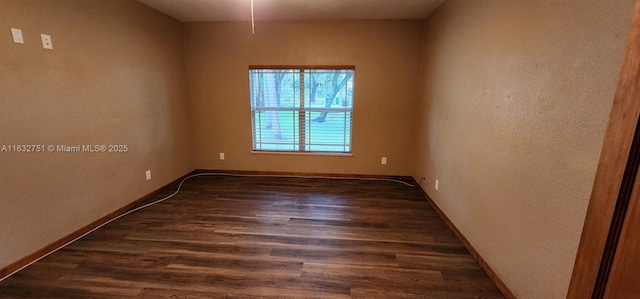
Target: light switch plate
17,36
46,41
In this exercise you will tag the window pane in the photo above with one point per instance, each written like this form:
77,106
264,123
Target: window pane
275,88
328,88
328,131
275,130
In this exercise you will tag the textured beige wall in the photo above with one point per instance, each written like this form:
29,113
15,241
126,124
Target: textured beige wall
516,96
116,75
387,59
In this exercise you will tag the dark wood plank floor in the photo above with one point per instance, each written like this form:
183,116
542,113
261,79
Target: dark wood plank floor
231,237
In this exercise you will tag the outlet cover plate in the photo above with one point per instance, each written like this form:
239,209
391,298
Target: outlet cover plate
46,41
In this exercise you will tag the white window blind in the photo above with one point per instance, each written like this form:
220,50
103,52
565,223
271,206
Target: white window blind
301,109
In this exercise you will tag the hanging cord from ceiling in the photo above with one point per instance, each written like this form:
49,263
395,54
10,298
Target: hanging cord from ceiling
253,23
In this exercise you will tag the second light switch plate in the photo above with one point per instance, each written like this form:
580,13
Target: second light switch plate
17,36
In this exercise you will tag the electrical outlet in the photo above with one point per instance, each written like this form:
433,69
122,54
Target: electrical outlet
221,156
46,41
437,184
383,161
148,174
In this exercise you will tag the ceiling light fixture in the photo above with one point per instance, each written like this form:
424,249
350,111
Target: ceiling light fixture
253,24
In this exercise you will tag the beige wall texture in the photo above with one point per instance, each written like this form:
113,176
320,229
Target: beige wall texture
386,55
516,97
509,114
116,75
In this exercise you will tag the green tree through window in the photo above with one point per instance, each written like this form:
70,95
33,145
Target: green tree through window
301,109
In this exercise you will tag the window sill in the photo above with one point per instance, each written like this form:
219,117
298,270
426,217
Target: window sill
303,153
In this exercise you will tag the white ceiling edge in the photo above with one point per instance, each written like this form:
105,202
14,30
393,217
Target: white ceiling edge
293,10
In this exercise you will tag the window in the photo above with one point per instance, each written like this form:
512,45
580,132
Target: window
301,109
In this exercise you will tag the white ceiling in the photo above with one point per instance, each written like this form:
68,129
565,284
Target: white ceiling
278,10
